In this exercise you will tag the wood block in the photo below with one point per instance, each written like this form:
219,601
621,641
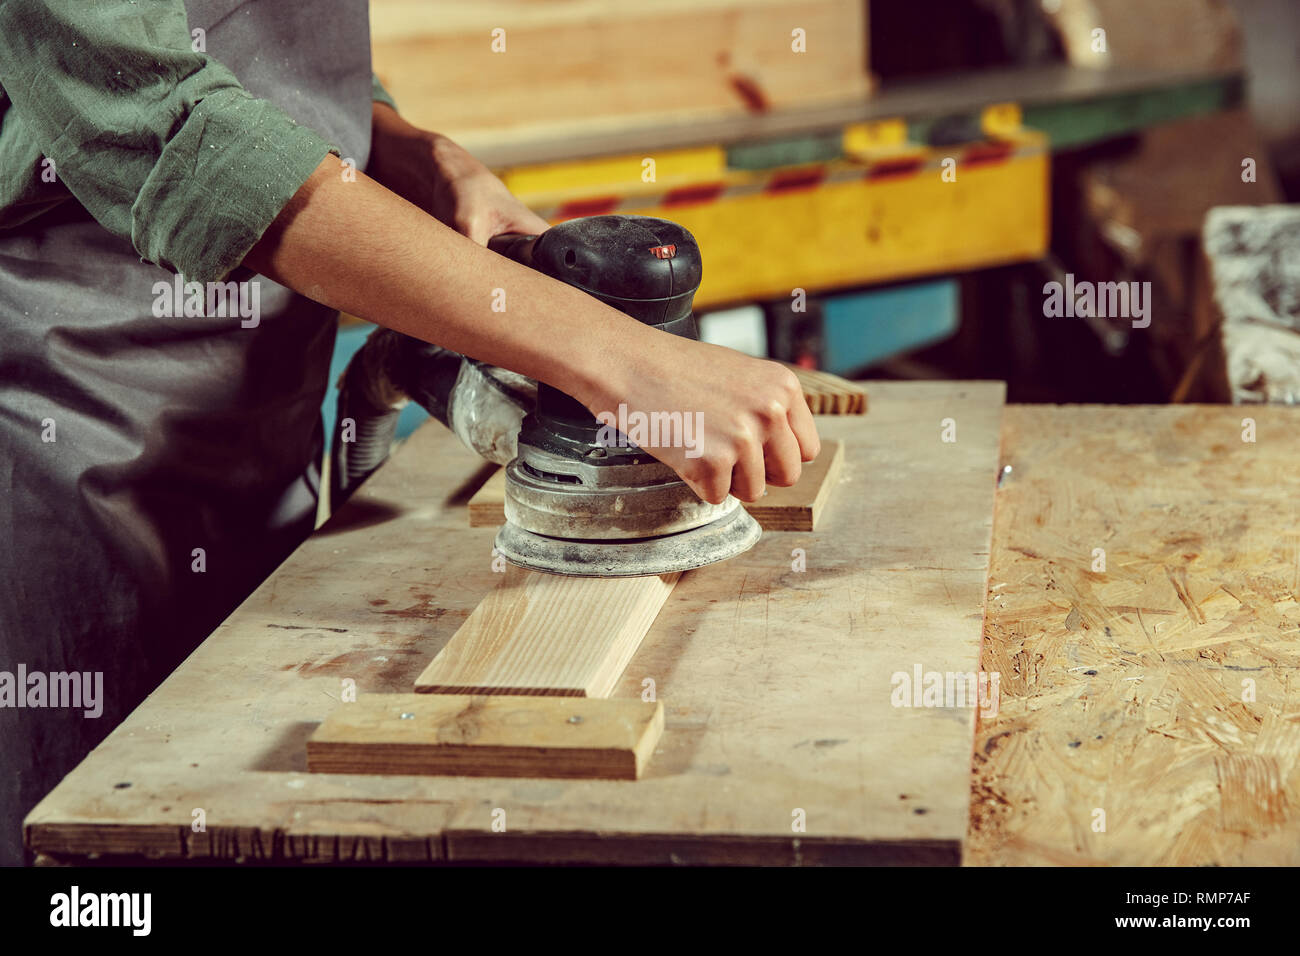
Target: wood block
487,506
548,635
781,509
798,507
468,736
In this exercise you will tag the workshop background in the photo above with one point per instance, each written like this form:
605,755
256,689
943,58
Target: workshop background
1087,139
1093,201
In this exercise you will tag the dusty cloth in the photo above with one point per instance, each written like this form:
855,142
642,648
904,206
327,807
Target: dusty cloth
156,460
1254,257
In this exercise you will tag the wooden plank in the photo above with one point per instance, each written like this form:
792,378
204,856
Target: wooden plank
1143,607
776,682
781,509
487,736
798,507
548,635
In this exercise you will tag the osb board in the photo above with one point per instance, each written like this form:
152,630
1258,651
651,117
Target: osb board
1122,691
776,683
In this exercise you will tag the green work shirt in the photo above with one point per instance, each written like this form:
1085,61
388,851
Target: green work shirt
115,104
156,462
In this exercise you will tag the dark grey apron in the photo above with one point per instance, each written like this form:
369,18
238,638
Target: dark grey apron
172,434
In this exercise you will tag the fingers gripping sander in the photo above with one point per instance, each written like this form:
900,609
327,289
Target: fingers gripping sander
576,502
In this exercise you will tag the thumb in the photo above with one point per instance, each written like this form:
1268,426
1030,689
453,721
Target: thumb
527,223
479,229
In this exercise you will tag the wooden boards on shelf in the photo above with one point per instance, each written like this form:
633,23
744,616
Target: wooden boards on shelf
781,509
505,70
472,736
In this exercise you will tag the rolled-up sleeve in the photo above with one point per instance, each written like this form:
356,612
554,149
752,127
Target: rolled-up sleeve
380,95
158,142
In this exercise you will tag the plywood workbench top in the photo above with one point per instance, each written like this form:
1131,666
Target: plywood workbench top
776,683
1150,706
1160,691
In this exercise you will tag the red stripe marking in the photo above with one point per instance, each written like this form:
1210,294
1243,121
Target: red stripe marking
750,92
588,207
892,169
689,195
985,154
796,180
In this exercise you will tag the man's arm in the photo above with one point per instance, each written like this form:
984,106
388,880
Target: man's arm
358,247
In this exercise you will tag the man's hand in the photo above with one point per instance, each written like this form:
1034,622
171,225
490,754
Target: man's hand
757,429
474,202
445,181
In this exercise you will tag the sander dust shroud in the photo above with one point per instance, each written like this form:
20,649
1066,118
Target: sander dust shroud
581,499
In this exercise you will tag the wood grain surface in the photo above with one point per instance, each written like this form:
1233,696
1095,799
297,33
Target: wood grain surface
583,66
798,507
468,736
780,742
549,635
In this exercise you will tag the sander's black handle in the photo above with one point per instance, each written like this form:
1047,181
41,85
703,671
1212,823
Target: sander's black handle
646,268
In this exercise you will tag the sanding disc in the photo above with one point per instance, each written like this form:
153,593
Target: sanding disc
719,540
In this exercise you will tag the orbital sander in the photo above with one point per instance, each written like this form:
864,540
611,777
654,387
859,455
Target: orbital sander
579,500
